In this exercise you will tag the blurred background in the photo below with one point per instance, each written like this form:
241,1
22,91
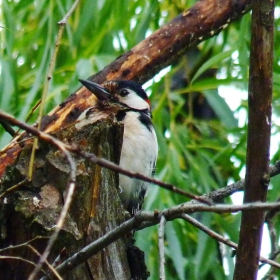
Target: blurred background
199,108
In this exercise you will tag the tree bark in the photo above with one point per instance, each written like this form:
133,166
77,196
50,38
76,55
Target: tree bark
205,19
33,210
258,143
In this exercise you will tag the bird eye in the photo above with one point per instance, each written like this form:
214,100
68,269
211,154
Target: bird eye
124,92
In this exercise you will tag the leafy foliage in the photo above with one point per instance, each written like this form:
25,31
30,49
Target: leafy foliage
201,126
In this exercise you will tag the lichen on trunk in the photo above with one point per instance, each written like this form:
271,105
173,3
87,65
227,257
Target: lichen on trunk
33,209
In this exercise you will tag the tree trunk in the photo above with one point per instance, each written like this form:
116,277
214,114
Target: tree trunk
33,209
164,47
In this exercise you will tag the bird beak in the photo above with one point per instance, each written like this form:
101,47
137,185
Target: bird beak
96,89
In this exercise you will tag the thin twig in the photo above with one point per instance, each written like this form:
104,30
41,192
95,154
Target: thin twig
208,231
11,247
108,164
3,194
213,196
186,207
220,238
161,248
100,161
274,248
59,258
97,245
62,24
29,246
71,184
145,219
50,267
219,208
64,211
18,259
49,75
69,13
218,195
8,128
33,109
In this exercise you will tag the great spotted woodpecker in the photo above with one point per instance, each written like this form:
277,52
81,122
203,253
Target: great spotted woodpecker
131,106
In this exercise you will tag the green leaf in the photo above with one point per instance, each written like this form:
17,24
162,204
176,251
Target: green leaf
221,108
175,250
214,61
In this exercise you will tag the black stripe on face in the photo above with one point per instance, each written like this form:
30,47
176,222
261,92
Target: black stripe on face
120,116
145,119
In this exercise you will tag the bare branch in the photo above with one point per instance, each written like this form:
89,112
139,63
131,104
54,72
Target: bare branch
72,164
220,238
274,248
91,157
69,13
51,267
11,247
150,219
17,258
258,143
97,245
11,189
214,196
71,184
107,164
29,246
161,248
64,211
8,128
146,219
61,24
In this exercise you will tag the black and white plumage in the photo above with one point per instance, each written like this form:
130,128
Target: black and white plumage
139,149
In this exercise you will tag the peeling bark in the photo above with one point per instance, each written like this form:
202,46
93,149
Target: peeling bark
34,208
205,19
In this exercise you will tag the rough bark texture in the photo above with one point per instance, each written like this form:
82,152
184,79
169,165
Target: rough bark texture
257,175
93,209
205,19
92,213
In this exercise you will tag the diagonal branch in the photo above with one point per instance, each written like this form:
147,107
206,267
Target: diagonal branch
212,197
91,157
222,239
150,219
205,19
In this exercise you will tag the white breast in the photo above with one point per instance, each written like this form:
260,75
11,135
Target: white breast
139,154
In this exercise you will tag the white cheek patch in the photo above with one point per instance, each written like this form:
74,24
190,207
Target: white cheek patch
134,101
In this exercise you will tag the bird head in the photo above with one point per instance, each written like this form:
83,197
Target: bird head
126,93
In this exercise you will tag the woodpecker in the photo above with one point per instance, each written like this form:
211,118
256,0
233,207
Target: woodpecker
131,106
